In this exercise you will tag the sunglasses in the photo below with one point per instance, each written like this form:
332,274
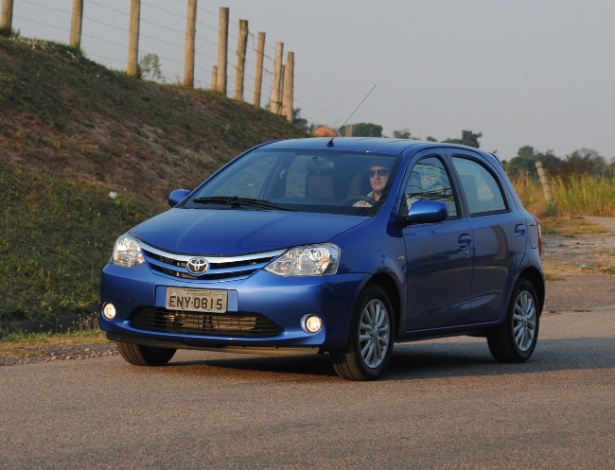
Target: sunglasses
379,172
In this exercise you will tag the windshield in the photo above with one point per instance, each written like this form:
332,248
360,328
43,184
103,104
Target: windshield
320,181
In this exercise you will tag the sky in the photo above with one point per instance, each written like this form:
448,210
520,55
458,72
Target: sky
521,72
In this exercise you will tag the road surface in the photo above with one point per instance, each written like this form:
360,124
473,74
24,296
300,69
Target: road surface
443,404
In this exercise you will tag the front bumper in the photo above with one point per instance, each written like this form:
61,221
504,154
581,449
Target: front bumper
280,303
198,344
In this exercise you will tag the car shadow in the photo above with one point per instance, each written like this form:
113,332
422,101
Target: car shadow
427,360
463,359
283,366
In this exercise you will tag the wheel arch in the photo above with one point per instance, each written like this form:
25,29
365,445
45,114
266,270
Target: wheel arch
535,277
388,284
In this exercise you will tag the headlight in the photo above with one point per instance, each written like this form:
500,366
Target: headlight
127,252
311,260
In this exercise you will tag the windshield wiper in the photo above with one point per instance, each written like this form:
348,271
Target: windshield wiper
235,201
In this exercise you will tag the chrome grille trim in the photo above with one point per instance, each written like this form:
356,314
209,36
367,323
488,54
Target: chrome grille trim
220,267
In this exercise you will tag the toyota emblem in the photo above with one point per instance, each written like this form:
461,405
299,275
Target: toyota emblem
197,266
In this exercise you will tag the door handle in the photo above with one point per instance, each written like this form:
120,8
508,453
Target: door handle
465,241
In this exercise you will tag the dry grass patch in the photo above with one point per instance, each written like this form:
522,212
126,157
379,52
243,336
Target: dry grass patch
24,345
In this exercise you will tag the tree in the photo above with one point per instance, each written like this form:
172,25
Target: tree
468,138
525,161
587,159
582,161
149,66
363,129
299,121
403,134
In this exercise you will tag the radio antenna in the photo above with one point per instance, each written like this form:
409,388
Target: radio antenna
330,143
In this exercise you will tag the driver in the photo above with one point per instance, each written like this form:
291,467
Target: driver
378,178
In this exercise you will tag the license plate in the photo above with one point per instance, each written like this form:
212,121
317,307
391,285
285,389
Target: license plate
196,300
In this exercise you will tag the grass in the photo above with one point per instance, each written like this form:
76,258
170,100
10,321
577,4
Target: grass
75,337
19,345
586,195
57,234
72,131
570,226
66,114
583,195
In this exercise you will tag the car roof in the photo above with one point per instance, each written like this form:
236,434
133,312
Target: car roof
353,144
383,145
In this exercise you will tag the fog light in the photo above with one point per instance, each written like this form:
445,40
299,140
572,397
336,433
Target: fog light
311,324
109,311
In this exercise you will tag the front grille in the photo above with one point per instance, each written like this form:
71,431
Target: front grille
237,324
220,267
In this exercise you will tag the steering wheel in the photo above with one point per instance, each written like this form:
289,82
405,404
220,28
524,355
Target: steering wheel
349,201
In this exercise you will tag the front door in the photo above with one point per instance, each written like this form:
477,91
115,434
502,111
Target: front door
439,255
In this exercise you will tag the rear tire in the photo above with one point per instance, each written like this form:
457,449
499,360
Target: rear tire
138,355
370,344
515,340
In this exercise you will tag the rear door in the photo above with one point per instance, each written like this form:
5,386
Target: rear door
499,235
438,255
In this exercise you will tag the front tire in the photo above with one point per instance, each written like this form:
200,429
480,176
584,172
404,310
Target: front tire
138,355
515,340
370,344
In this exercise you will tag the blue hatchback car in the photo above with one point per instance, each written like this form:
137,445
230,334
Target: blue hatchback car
341,246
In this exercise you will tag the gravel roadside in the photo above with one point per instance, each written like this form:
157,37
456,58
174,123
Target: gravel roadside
580,271
33,354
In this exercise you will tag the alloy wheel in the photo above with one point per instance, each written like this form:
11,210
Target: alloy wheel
524,321
374,333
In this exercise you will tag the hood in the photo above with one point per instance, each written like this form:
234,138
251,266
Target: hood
235,232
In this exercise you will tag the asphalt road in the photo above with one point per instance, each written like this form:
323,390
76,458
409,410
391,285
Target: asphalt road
443,404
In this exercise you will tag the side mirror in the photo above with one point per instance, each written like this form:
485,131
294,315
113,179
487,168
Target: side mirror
177,196
426,211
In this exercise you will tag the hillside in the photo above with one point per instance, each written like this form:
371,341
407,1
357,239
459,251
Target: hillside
66,114
72,131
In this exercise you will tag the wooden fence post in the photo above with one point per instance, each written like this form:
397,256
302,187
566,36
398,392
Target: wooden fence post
75,23
289,79
242,46
258,79
222,50
7,15
132,68
214,77
276,92
189,47
545,184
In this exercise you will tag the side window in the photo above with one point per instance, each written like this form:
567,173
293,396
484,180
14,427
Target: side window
430,180
480,187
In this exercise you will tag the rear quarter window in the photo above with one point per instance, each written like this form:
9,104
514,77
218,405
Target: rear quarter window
481,188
